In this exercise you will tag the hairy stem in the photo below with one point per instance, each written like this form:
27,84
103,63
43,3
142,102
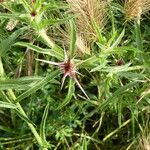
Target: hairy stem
1,68
45,37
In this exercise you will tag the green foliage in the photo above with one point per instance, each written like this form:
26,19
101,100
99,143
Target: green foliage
35,113
7,105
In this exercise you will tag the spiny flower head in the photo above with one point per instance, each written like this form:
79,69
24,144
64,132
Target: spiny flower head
69,68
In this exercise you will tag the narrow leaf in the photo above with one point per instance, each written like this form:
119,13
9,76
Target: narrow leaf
48,22
43,122
118,40
25,118
7,105
38,85
6,44
117,93
18,84
35,48
69,94
9,16
6,129
26,5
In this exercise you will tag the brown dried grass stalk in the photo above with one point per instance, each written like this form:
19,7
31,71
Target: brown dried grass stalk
135,8
89,11
144,143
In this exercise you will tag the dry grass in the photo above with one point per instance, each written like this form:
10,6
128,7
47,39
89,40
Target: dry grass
144,143
135,8
89,11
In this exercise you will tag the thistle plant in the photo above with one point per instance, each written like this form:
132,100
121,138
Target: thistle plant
100,100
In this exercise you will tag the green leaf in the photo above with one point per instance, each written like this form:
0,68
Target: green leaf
7,105
70,93
112,38
118,40
117,93
9,16
52,7
14,86
38,4
49,42
88,63
38,85
123,49
117,69
23,117
22,80
43,123
131,75
4,97
6,129
119,110
48,22
6,44
35,48
98,31
99,67
18,84
84,144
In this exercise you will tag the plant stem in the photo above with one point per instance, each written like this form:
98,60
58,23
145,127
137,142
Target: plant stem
26,5
13,97
44,36
116,130
1,68
51,44
38,138
139,42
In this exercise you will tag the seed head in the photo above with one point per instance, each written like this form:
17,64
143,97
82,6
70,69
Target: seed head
135,8
89,11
